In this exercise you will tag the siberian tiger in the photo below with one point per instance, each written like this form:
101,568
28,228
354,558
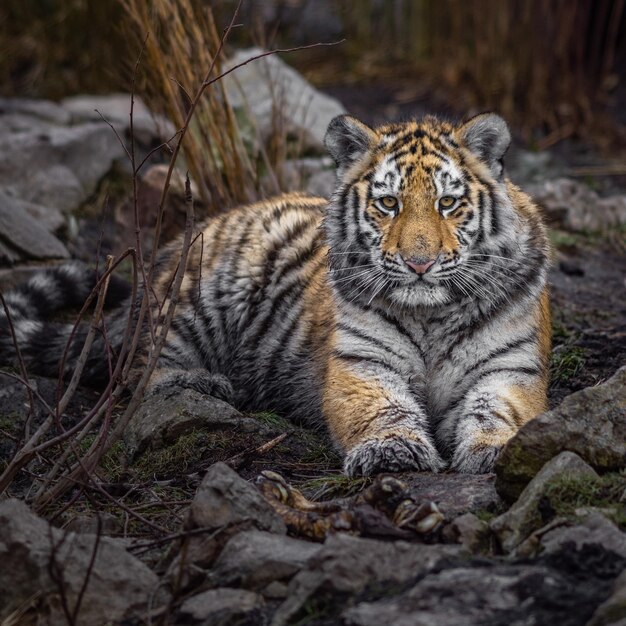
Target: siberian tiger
409,314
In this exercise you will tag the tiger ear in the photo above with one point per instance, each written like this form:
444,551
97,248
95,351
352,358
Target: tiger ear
347,140
488,137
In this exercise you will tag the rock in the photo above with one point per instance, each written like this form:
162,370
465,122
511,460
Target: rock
472,533
613,611
163,418
593,530
115,108
454,494
512,527
223,607
42,109
590,422
262,85
25,235
56,166
225,499
119,586
577,207
254,559
494,594
347,565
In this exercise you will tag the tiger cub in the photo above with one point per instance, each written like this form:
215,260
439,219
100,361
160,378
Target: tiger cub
409,314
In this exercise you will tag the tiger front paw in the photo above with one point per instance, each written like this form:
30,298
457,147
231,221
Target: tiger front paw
392,454
474,458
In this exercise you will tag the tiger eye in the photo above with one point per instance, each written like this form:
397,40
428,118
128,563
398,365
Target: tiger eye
389,202
446,201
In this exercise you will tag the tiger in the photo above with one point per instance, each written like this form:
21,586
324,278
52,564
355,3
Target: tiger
408,315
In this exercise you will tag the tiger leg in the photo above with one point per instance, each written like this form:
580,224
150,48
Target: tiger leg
180,366
376,421
490,414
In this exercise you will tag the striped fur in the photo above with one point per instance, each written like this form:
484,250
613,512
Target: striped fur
311,309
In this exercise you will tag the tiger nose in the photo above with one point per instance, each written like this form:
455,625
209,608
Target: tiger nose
420,265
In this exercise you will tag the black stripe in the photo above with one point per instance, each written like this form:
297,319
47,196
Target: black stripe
366,360
363,336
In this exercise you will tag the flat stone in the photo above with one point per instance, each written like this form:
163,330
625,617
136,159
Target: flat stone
512,527
254,559
25,234
590,422
30,107
119,586
163,418
223,607
454,494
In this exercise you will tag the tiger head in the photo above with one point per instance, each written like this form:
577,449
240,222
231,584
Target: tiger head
419,209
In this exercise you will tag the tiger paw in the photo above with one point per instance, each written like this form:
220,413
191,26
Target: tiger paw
200,380
474,458
392,454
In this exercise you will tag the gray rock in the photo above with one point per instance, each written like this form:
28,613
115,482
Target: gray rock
593,530
577,207
115,108
346,565
512,527
164,417
253,559
56,166
26,235
591,423
222,607
613,611
498,595
262,85
454,494
225,499
43,109
472,533
119,585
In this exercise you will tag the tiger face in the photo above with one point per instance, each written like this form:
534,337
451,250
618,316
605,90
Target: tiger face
419,207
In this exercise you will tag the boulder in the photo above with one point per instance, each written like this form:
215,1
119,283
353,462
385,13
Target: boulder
594,531
115,108
164,417
577,207
262,86
222,607
225,499
26,236
512,527
590,422
40,560
347,565
56,166
254,559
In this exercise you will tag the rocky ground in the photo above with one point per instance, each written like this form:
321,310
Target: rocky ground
203,515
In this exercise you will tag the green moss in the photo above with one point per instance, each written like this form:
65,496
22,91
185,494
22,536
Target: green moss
333,486
566,494
563,240
273,420
566,363
180,456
